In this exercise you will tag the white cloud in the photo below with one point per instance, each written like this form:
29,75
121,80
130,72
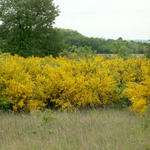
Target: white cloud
106,18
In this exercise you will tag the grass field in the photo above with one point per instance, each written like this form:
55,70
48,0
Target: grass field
100,129
133,55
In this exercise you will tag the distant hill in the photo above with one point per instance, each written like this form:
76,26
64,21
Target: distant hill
104,46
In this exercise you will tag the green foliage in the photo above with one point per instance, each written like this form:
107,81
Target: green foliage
84,51
45,117
26,27
121,48
67,51
103,46
123,102
148,50
5,103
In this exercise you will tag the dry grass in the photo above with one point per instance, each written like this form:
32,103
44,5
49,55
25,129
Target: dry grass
86,130
133,55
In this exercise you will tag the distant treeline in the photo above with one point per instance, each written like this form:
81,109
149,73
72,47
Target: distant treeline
59,40
103,46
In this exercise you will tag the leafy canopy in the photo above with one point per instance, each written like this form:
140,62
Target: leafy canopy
27,27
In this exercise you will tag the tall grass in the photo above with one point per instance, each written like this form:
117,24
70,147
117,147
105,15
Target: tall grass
98,129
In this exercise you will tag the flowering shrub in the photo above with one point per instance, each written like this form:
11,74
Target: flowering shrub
35,83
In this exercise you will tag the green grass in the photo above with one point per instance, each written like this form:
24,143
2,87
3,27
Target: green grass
100,129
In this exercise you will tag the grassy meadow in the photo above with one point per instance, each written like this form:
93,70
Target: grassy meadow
96,129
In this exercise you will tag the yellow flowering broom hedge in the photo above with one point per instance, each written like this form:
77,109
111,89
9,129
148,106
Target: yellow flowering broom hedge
35,83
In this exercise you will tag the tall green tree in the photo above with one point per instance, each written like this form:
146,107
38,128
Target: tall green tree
26,27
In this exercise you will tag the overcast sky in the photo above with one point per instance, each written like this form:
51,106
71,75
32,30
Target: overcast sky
129,19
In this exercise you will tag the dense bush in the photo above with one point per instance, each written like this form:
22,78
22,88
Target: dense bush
70,83
84,51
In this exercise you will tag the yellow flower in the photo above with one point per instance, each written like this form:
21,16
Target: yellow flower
32,83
